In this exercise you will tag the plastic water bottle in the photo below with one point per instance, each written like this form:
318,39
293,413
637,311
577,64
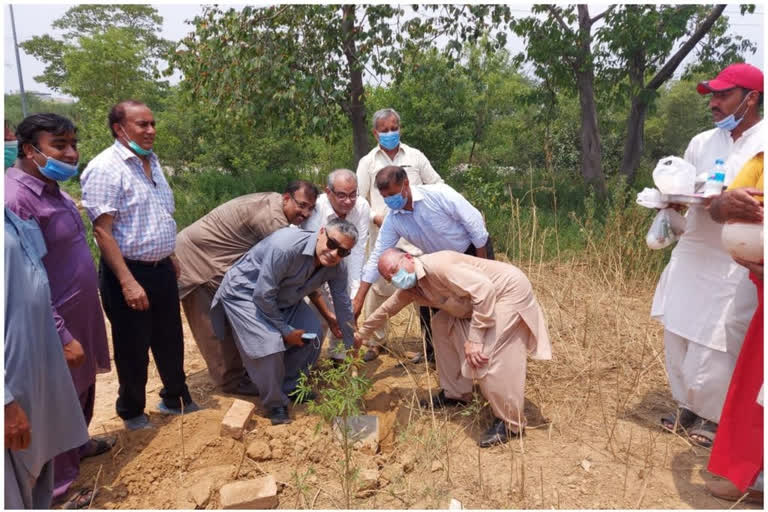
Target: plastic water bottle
715,180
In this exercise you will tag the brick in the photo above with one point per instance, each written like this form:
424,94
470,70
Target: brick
236,418
455,505
259,493
363,432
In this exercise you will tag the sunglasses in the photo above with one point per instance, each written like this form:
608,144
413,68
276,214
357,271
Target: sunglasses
333,245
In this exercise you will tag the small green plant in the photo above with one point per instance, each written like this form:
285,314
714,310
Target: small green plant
340,392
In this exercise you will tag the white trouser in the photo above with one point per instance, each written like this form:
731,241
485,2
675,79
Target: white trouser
698,376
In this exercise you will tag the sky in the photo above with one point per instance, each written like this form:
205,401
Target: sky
35,19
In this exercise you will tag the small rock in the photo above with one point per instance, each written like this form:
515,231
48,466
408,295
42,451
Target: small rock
236,418
201,493
436,466
409,461
363,431
277,453
586,465
259,450
393,472
275,444
259,493
369,479
455,505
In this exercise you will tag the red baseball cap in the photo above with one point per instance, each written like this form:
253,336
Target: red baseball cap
735,75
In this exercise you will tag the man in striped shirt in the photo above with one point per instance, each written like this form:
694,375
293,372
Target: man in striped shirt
131,206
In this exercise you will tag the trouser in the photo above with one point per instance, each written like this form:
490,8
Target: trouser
25,491
135,332
221,356
698,375
276,375
66,465
503,381
426,313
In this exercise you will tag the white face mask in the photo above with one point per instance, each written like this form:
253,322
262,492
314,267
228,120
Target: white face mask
730,123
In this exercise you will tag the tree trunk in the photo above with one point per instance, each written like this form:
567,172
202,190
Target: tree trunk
355,107
634,144
591,153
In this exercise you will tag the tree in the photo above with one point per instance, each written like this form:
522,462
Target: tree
141,21
559,45
641,40
307,62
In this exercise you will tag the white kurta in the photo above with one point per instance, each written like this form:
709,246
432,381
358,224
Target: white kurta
703,295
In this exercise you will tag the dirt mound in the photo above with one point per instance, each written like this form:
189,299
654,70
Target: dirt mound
592,439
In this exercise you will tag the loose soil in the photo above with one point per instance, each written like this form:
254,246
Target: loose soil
592,439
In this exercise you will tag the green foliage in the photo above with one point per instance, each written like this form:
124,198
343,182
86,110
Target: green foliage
35,105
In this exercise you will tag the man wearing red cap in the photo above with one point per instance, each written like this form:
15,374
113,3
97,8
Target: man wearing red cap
704,299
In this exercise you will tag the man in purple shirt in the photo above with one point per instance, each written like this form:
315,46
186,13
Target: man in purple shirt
47,154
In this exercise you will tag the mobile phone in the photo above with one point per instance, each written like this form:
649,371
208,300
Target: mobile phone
308,337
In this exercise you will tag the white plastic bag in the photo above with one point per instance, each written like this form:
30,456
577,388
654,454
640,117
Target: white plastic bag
666,229
673,175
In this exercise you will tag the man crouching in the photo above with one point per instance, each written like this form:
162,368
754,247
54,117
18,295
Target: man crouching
262,296
489,320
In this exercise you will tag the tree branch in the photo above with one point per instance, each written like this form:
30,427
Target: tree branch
666,71
556,13
593,20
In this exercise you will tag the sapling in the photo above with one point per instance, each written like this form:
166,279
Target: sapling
340,395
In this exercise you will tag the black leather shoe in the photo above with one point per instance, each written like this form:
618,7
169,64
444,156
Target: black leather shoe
497,434
440,400
279,415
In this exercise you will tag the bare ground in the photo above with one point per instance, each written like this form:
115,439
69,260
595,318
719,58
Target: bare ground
592,441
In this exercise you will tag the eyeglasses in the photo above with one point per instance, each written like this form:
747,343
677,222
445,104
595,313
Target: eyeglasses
302,205
333,245
341,196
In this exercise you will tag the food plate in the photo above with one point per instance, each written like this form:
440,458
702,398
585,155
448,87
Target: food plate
683,198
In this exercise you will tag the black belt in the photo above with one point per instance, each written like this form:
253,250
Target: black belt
147,263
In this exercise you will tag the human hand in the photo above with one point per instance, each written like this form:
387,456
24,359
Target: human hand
74,354
135,296
378,220
474,354
755,268
17,432
294,338
333,325
358,341
739,205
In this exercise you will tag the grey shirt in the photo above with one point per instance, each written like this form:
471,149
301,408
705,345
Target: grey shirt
36,375
275,275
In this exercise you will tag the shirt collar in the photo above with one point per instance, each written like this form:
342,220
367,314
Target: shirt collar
127,154
400,149
34,184
311,244
418,267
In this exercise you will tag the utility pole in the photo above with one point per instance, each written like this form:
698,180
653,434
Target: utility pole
18,65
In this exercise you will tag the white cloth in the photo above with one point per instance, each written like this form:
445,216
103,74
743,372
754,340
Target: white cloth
417,167
698,376
359,216
703,295
442,219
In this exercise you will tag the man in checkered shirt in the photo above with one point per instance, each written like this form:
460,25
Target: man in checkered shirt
131,206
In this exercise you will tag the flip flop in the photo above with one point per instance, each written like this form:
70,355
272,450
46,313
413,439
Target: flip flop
685,421
81,499
99,445
704,432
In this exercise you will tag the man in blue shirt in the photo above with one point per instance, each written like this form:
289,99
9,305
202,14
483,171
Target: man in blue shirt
262,296
431,217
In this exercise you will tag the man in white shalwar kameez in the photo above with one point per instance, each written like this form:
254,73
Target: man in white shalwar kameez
704,299
489,321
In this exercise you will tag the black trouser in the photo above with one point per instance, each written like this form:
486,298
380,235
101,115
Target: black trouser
425,312
135,332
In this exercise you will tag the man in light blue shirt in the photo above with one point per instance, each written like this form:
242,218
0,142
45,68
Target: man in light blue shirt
262,296
431,217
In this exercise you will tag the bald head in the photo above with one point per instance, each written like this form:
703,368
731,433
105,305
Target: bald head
389,262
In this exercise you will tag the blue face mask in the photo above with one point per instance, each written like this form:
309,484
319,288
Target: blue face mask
56,169
389,140
730,123
11,151
135,147
396,201
404,280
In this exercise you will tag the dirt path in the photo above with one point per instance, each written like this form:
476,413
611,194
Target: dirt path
592,440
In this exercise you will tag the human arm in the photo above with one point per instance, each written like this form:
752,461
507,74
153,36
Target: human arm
390,307
467,215
342,305
356,258
465,280
427,173
387,238
274,264
134,294
317,299
738,204
363,179
755,268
